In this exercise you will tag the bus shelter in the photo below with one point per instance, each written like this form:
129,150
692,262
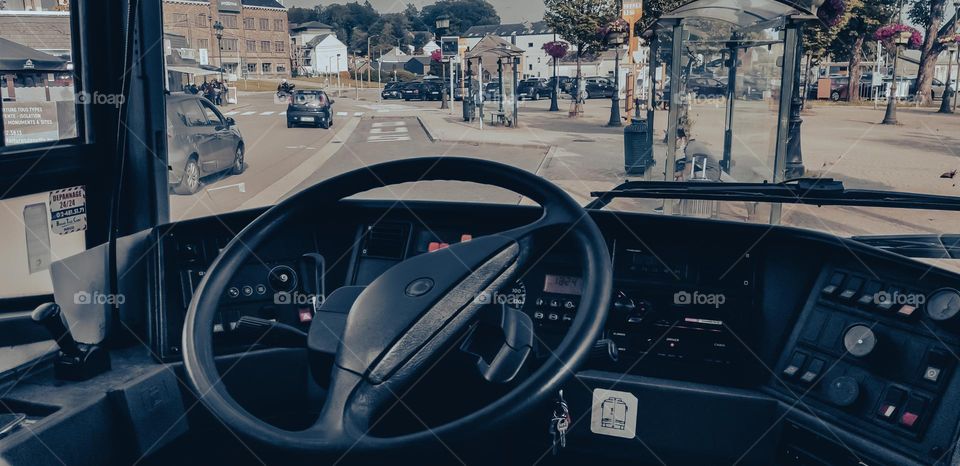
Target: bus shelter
725,76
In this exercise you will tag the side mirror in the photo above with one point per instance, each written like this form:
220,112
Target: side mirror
332,101
231,122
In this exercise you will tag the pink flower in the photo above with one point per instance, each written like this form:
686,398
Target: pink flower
886,33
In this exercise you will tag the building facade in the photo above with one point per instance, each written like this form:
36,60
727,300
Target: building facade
256,39
528,36
317,49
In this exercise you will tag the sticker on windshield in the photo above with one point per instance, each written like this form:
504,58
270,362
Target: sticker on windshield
613,413
68,210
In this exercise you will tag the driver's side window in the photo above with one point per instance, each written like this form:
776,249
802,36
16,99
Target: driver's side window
212,116
192,114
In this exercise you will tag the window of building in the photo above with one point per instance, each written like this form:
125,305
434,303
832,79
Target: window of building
265,46
203,44
229,21
251,46
249,23
202,20
281,69
266,67
531,67
251,67
178,19
530,45
264,24
279,46
278,25
229,45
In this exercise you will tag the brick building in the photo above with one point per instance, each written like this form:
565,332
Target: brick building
256,40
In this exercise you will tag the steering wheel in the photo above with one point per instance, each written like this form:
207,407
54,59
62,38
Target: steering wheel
408,317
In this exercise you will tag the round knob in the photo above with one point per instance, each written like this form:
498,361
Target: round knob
843,391
859,341
282,278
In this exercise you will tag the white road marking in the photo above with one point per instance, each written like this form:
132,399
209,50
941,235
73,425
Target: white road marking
247,113
242,187
231,113
266,113
342,113
358,114
282,113
389,131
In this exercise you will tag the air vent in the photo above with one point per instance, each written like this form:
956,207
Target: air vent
385,241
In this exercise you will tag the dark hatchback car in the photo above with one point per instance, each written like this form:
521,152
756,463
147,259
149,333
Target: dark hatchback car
423,90
533,89
392,90
706,87
565,83
596,87
310,107
200,141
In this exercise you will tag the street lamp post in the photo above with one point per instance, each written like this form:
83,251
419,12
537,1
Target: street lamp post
615,39
554,102
370,58
443,24
218,31
339,86
900,40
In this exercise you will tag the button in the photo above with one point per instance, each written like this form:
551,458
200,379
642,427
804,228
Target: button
568,304
634,319
935,363
906,311
568,317
932,374
813,371
890,403
554,303
538,315
869,296
248,290
884,301
834,284
539,302
233,292
796,362
851,288
261,289
436,246
912,411
553,316
465,237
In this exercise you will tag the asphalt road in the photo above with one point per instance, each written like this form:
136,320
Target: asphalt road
282,161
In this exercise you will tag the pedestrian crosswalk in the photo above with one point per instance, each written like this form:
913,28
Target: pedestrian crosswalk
269,113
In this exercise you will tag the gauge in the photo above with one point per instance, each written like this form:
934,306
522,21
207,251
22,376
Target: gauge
515,297
943,304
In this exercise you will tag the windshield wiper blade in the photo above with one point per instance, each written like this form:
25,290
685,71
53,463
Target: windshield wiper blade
925,246
808,191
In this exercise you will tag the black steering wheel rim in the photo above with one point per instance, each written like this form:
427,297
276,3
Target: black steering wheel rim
559,209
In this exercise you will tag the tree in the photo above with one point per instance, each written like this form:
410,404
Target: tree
929,14
297,15
654,9
349,17
413,17
579,22
463,14
860,21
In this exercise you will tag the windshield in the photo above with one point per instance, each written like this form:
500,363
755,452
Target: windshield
509,92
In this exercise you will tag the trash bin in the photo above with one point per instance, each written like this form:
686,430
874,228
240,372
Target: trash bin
469,107
638,153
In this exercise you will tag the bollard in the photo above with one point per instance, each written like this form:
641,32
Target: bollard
637,150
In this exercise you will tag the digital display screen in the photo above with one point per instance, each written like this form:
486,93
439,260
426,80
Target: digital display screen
562,284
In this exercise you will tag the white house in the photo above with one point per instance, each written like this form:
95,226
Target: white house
528,36
317,49
429,47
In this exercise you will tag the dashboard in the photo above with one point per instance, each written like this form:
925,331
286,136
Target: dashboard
846,352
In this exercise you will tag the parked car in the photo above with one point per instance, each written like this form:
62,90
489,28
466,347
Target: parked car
313,107
597,87
423,90
491,91
392,90
461,87
565,83
200,142
706,87
533,89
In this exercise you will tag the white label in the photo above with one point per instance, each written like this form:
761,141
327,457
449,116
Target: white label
614,413
68,210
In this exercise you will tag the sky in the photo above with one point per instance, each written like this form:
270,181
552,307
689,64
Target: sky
511,11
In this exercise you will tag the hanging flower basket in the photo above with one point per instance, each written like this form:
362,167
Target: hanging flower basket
888,32
557,48
619,25
831,12
436,55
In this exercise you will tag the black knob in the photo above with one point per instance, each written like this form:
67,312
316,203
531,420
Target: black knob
860,341
843,391
48,315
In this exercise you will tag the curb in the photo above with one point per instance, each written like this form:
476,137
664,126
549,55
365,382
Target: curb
426,129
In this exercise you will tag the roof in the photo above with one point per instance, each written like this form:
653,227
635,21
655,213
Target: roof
424,60
263,3
310,25
521,29
494,45
37,31
16,57
318,39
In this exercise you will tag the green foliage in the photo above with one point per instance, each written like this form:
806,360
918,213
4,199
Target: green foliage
463,14
654,9
579,20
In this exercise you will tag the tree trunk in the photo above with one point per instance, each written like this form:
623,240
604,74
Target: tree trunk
578,103
856,56
930,51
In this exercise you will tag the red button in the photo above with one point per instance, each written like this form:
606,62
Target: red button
465,237
908,419
305,315
433,246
